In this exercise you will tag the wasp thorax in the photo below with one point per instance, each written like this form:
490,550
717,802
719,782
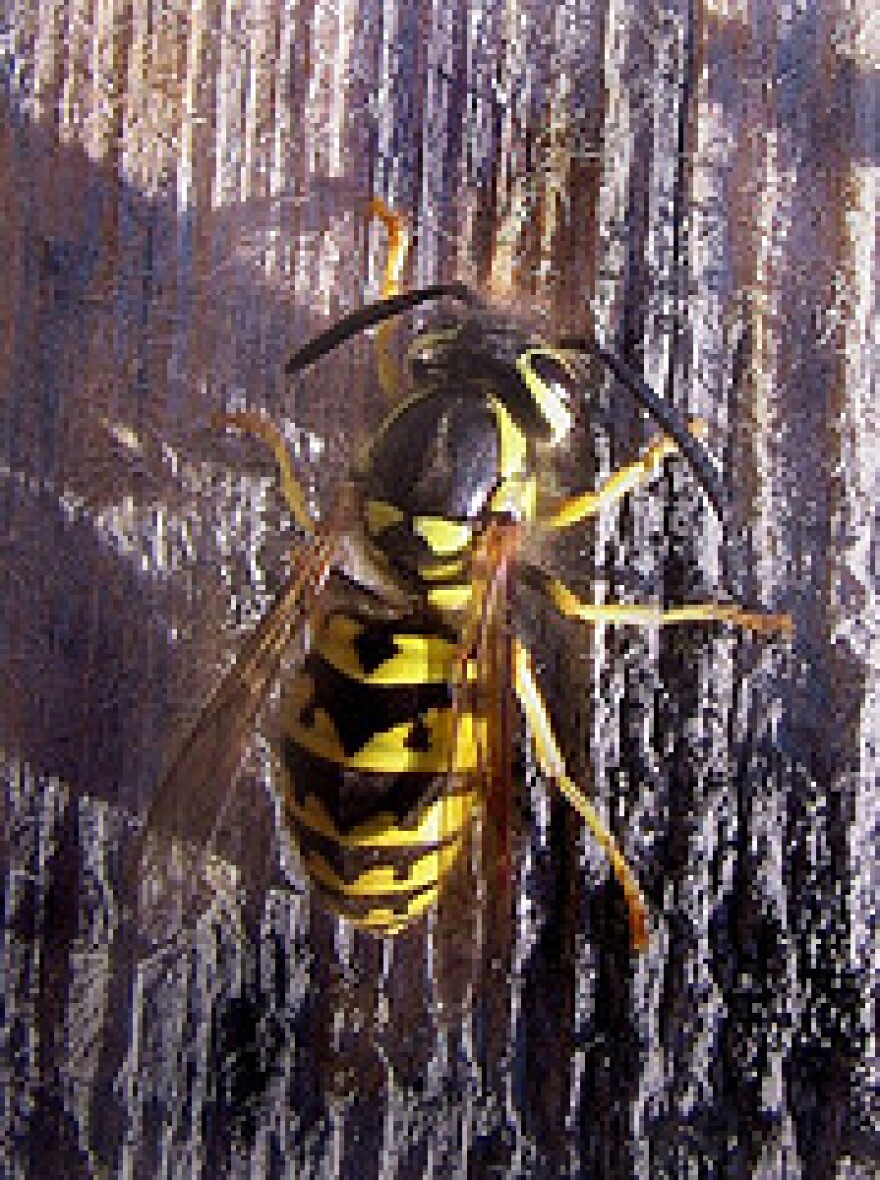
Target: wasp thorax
460,453
429,477
552,385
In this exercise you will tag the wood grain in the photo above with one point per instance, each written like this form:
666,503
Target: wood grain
182,191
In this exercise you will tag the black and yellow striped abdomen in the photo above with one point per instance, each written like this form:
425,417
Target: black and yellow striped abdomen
367,754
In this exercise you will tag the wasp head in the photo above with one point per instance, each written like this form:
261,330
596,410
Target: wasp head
537,383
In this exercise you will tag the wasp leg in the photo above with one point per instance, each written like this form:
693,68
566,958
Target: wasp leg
629,615
621,483
397,247
552,763
267,432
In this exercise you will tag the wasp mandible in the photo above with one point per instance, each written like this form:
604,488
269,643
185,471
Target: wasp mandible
397,722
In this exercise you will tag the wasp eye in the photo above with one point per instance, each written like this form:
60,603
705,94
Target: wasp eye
553,387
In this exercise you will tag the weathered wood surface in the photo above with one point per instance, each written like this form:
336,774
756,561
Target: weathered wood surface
181,196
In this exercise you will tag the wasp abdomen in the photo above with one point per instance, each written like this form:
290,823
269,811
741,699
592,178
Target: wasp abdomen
367,754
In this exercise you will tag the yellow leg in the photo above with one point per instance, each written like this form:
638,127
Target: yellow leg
553,764
267,432
397,246
620,484
627,615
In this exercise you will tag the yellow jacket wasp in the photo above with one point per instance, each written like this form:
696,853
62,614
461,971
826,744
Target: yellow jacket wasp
396,723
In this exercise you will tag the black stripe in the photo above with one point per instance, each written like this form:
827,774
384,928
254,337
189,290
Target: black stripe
350,863
359,711
361,907
376,642
352,797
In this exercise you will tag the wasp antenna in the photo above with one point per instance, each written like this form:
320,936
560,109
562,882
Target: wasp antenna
374,313
675,426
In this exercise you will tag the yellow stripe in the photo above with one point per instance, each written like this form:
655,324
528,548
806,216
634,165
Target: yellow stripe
516,496
380,516
424,872
443,819
386,752
441,569
387,921
552,408
387,749
511,442
419,659
444,537
455,597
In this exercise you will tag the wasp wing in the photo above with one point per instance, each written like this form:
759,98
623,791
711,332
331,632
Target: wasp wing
494,665
177,874
473,940
495,676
